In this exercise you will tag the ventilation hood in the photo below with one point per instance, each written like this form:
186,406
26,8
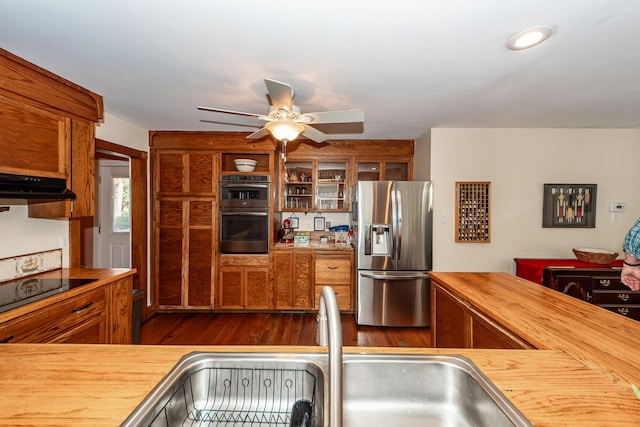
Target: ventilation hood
33,187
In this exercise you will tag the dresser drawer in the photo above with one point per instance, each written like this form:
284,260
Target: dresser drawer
630,311
333,271
47,324
616,297
576,285
608,283
343,296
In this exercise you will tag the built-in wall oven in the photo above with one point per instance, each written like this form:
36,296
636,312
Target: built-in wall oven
244,214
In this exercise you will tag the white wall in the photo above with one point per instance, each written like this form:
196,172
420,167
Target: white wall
114,129
20,235
518,162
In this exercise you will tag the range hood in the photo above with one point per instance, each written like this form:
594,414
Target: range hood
33,187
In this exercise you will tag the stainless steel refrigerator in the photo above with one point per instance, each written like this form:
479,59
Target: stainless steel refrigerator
394,241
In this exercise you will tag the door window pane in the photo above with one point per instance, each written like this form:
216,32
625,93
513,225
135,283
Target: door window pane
121,208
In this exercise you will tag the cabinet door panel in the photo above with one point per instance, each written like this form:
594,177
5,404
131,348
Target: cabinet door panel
449,328
486,335
230,286
303,288
283,279
35,139
201,173
170,173
170,244
258,291
201,241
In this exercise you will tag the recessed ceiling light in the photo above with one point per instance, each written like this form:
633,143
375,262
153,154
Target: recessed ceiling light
529,38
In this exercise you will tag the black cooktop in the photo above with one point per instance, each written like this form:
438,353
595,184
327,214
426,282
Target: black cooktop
23,291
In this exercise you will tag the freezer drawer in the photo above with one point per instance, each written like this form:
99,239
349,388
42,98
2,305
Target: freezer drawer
398,298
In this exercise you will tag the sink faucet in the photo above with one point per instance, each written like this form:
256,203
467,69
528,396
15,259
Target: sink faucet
329,332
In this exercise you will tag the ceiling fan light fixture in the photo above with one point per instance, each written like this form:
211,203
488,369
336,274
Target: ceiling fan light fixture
529,38
284,130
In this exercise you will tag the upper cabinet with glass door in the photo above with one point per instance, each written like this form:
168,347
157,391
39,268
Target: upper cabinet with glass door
331,191
383,170
312,185
298,186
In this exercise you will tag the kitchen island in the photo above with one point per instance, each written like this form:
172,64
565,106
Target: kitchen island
578,374
99,385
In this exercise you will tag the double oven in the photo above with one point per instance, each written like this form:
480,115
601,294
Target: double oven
244,214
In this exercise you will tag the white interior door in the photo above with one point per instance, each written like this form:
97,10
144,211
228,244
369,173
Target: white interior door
113,243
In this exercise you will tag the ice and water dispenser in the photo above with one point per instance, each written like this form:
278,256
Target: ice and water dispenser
377,239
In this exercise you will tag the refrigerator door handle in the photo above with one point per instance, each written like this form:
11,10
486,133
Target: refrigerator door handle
387,276
398,224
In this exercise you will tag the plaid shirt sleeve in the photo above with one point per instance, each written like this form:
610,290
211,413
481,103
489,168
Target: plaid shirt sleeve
632,240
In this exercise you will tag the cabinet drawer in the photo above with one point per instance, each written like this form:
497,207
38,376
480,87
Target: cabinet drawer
616,297
630,311
333,271
46,324
574,285
608,283
343,296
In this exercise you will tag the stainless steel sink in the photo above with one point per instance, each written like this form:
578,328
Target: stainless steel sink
386,390
244,389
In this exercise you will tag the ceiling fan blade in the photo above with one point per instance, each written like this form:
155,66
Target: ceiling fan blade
239,113
313,134
259,134
281,94
344,116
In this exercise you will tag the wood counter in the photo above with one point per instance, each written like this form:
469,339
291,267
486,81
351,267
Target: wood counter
99,385
602,340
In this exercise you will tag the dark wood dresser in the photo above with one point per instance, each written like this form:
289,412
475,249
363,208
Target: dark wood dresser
600,286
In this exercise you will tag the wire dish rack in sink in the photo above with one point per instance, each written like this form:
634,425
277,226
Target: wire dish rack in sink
224,391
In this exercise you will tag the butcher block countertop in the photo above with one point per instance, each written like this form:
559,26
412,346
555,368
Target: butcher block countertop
602,340
99,385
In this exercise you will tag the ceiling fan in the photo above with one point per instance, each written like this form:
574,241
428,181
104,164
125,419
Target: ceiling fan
286,122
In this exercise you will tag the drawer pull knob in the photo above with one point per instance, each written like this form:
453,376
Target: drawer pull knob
81,308
623,311
332,267
623,297
6,339
605,282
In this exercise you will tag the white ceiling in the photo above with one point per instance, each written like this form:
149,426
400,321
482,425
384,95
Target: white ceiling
411,65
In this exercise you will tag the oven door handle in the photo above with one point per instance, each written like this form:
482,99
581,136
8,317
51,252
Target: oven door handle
241,186
237,213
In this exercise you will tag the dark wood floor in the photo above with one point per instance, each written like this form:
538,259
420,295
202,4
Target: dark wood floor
269,329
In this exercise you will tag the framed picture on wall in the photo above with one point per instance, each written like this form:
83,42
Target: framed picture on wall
318,223
569,206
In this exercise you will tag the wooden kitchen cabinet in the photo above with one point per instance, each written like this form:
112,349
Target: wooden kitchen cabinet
98,316
335,269
293,279
314,185
244,282
384,170
48,127
456,324
184,173
184,235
